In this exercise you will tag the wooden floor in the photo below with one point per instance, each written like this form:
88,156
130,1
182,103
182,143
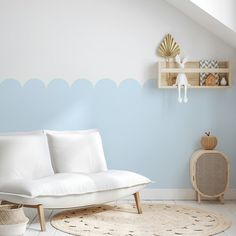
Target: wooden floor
228,209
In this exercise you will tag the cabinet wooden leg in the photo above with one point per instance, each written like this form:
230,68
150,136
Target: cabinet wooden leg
221,198
138,202
198,198
41,217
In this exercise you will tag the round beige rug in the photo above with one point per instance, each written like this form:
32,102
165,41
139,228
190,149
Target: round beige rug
156,220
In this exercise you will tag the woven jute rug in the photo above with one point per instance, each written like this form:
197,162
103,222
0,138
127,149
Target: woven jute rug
156,220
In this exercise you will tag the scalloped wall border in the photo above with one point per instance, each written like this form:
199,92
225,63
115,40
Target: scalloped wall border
93,84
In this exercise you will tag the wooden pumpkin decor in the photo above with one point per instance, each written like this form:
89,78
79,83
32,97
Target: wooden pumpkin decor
211,80
208,141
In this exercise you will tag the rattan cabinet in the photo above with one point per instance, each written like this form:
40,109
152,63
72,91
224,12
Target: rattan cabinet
209,171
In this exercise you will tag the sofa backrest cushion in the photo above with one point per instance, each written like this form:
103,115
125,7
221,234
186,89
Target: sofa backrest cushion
25,155
76,151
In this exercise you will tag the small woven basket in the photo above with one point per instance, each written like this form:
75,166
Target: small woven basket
12,220
12,214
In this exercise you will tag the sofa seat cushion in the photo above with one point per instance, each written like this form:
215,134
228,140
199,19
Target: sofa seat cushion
72,183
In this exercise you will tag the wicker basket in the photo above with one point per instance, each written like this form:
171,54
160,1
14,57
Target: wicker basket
12,220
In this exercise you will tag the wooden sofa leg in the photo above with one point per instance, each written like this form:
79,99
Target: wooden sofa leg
138,202
41,217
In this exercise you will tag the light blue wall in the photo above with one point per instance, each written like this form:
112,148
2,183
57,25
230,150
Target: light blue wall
144,129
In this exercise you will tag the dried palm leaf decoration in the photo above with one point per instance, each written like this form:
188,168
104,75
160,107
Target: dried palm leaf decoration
168,47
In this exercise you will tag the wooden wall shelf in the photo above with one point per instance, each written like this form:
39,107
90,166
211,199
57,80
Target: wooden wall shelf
168,71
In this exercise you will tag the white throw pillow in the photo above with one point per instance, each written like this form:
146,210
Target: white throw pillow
24,155
76,151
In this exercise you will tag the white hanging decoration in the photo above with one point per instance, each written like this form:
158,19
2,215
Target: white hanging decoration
181,80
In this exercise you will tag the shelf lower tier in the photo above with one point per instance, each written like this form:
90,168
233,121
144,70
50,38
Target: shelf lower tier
197,87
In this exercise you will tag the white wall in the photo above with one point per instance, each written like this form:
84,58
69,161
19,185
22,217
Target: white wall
95,39
223,10
115,39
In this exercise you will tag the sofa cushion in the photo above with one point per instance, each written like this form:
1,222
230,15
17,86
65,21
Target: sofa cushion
69,184
24,155
76,151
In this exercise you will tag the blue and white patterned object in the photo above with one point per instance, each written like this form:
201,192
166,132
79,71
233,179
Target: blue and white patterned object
208,64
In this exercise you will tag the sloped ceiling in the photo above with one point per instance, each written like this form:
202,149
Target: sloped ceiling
205,19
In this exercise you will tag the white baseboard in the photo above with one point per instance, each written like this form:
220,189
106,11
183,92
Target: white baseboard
178,194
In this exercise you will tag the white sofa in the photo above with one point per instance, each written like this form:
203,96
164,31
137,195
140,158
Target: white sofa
52,169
